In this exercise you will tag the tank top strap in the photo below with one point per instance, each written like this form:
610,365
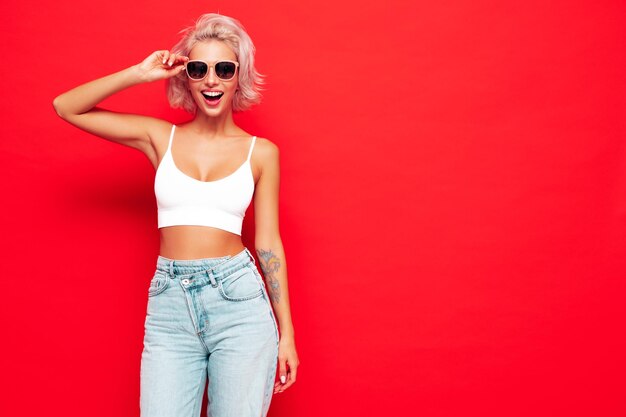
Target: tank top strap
169,145
251,147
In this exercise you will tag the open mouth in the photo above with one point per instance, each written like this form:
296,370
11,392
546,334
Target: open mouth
212,96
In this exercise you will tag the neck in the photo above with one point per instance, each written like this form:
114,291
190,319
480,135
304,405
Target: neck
213,126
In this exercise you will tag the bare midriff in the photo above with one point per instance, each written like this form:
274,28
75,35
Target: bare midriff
196,242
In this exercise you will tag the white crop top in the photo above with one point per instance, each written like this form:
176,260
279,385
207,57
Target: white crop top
183,200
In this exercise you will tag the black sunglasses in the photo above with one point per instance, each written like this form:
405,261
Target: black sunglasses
197,69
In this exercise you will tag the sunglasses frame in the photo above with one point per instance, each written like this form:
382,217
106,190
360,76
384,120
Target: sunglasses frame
212,66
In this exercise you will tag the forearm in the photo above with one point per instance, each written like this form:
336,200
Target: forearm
274,267
86,96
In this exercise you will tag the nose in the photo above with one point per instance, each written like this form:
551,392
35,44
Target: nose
211,77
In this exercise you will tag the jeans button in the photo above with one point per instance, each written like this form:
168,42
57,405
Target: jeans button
185,281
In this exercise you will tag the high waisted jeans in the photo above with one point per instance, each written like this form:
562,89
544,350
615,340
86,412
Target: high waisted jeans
212,318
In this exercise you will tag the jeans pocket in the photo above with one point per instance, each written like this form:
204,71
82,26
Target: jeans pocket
158,284
240,285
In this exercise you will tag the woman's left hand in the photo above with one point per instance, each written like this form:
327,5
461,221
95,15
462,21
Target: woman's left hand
287,363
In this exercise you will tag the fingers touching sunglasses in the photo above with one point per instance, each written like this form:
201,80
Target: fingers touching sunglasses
224,70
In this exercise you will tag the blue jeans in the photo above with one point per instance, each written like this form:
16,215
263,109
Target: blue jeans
208,317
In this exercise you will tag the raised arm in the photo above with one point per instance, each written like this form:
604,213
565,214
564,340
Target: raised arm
78,105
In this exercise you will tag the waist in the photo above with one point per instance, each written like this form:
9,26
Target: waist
194,242
218,266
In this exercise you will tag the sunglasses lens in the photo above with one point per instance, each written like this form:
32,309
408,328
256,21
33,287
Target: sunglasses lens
225,70
197,70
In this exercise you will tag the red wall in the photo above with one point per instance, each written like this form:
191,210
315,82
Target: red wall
453,204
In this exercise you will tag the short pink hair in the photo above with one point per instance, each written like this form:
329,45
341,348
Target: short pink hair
230,31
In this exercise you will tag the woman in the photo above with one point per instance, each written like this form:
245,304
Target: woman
209,313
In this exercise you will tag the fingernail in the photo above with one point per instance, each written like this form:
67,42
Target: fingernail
282,379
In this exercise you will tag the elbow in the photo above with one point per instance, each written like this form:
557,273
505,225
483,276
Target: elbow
58,107
269,241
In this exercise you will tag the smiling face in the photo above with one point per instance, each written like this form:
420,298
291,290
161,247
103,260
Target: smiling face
212,52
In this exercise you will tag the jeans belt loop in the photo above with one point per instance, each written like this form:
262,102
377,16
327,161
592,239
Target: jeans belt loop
251,257
209,272
172,269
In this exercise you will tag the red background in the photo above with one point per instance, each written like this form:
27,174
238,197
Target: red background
453,204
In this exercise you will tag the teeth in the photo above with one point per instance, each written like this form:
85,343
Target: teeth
212,93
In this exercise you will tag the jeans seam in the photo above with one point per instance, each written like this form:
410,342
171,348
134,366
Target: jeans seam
269,304
160,289
193,320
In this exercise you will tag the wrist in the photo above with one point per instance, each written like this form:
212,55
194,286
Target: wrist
288,332
136,75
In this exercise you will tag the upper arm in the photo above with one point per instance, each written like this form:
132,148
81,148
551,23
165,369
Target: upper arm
133,130
266,195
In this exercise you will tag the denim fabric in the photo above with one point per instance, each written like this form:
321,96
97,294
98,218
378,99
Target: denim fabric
208,318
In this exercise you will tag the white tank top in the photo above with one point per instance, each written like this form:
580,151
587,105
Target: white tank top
183,200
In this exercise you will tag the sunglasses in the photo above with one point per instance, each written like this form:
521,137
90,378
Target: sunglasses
197,70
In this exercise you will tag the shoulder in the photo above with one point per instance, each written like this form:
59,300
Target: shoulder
157,126
265,148
159,130
265,156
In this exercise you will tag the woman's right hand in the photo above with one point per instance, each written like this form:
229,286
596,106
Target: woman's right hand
161,65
